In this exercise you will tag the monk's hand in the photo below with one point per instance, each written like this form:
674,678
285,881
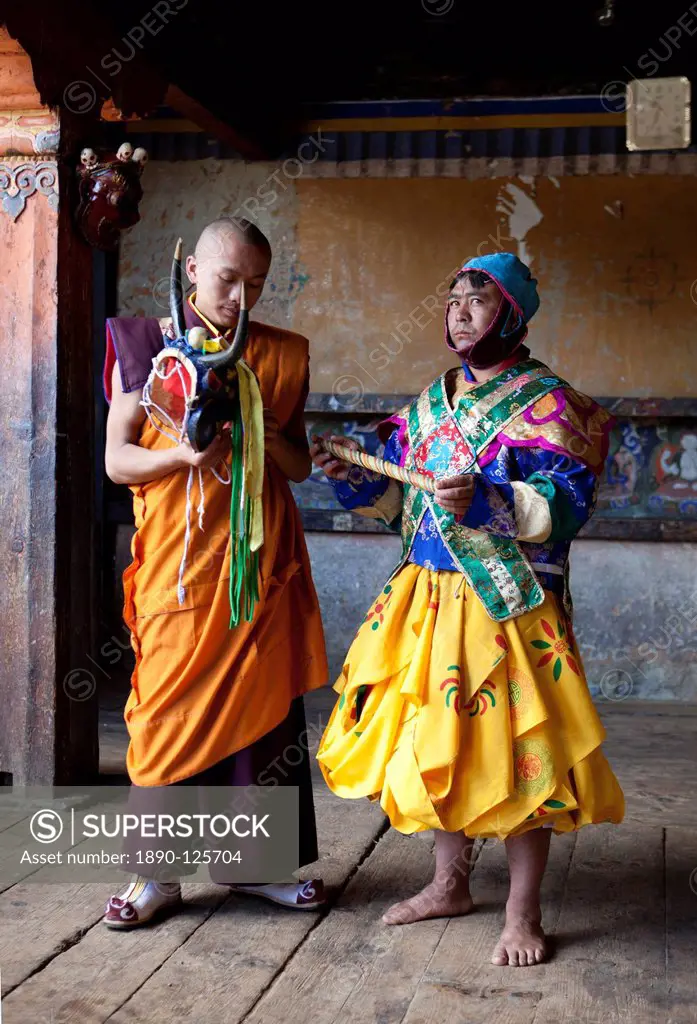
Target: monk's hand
217,451
272,430
335,469
455,493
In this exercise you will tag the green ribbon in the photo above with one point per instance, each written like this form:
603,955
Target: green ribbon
244,565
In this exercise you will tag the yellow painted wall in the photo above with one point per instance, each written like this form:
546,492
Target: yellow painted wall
615,258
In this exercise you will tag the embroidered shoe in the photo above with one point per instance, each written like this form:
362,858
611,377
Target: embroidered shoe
298,895
140,902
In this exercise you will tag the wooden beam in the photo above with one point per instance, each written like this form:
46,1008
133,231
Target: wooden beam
71,48
77,715
200,115
74,65
16,82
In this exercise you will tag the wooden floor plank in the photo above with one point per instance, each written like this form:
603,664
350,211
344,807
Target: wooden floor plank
647,709
650,745
92,980
38,921
610,965
461,983
10,818
353,969
681,926
652,709
651,794
435,1004
623,919
13,841
88,982
224,969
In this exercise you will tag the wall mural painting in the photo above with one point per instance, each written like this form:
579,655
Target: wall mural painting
674,473
317,493
651,471
631,445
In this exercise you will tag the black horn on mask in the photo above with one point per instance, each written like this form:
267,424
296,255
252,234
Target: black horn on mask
226,359
176,292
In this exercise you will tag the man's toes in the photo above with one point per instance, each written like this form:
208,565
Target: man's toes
513,958
539,955
500,956
395,915
402,913
395,919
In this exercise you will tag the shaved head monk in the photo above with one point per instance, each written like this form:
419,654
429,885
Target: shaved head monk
213,705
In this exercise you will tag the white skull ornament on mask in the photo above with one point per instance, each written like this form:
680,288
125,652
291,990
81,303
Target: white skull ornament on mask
88,158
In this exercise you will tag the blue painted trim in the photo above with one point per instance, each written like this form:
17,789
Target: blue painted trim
330,152
515,143
427,143
455,108
353,145
377,146
558,141
583,142
403,148
454,145
478,142
505,142
531,142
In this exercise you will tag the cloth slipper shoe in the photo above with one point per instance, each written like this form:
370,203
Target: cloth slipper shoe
298,896
141,901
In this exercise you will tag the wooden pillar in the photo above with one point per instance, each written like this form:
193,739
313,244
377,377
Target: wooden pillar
48,699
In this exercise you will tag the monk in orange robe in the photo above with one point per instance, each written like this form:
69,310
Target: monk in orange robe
212,705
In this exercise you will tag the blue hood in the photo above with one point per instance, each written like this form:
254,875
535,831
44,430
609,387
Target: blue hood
513,278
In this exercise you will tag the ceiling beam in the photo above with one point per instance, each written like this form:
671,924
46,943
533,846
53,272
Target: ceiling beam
194,111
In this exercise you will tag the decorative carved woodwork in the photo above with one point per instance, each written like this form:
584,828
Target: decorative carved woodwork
29,136
20,181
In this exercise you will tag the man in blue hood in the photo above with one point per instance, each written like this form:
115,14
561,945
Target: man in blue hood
490,330
464,707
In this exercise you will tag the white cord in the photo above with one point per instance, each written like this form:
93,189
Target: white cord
166,420
202,500
181,592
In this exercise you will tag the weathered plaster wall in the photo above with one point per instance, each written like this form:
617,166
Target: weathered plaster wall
613,258
636,617
358,263
180,199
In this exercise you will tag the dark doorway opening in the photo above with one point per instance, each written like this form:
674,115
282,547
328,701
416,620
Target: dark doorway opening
114,660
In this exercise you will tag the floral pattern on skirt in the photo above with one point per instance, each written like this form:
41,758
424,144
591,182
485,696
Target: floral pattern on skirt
454,721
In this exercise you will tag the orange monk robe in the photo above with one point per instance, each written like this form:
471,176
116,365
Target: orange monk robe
200,690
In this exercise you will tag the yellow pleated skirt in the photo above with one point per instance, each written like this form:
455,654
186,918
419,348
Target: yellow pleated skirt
453,721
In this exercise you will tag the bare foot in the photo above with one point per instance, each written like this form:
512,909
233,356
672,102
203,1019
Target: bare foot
436,900
522,942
